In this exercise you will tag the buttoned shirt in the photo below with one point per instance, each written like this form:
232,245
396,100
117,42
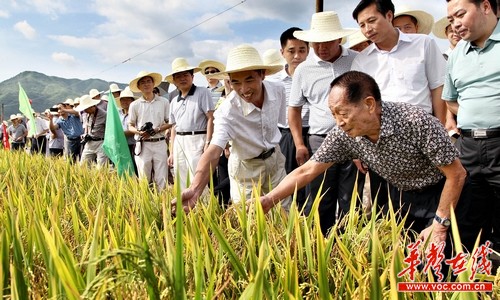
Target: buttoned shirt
189,113
408,72
473,79
411,144
16,132
311,84
252,130
72,126
155,111
41,125
286,80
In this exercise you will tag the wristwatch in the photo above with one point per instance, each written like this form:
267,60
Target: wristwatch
443,221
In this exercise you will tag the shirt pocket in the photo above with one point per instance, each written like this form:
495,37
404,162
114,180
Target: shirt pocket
414,73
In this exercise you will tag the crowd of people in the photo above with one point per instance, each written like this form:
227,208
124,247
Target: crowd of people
420,126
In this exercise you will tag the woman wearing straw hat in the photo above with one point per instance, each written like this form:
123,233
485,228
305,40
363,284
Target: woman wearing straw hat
17,133
249,118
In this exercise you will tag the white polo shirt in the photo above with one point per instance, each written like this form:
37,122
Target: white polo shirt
252,130
408,72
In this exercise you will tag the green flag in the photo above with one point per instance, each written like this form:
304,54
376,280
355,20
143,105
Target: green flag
115,143
25,108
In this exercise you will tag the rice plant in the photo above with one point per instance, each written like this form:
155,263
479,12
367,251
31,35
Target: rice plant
68,232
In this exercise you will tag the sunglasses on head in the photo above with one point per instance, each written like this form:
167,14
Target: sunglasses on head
211,72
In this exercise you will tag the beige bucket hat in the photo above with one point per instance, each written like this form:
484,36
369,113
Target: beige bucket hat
85,102
246,58
180,64
211,63
439,29
325,27
424,20
114,88
356,38
156,80
273,57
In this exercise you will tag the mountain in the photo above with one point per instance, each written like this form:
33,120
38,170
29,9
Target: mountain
45,91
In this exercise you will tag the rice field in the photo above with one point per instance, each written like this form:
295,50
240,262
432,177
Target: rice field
75,233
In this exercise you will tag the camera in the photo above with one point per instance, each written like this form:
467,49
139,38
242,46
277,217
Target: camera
148,127
85,139
54,109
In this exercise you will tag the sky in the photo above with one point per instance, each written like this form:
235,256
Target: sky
114,40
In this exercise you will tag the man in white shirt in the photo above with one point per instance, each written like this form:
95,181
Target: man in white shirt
248,117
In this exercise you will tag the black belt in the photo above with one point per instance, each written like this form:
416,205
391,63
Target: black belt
481,133
74,139
97,139
154,140
191,132
266,154
320,135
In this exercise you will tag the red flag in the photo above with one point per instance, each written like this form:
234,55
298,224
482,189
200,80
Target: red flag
5,139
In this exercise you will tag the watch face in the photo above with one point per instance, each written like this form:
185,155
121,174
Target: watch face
446,222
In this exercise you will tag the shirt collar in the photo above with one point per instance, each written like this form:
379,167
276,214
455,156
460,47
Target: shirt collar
247,107
283,74
190,93
402,38
495,36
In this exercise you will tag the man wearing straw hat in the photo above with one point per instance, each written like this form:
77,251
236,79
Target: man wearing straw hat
94,126
310,86
215,87
17,133
191,113
408,20
152,110
69,122
248,117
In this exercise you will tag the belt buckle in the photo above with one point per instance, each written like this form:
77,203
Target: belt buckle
479,133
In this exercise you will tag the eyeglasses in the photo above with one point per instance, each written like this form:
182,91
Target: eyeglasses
212,72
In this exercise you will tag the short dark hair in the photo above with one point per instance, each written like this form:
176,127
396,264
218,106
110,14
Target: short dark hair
358,86
288,35
383,7
493,3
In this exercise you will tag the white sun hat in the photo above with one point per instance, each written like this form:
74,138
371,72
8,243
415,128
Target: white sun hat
356,38
207,63
86,102
424,20
114,88
13,117
156,80
246,58
69,102
439,29
273,57
93,93
325,27
180,64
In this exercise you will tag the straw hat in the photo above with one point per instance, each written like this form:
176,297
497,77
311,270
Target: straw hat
20,116
211,63
424,20
114,88
13,117
247,58
127,93
325,27
439,29
180,64
86,102
93,93
357,38
156,80
69,102
76,101
273,57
